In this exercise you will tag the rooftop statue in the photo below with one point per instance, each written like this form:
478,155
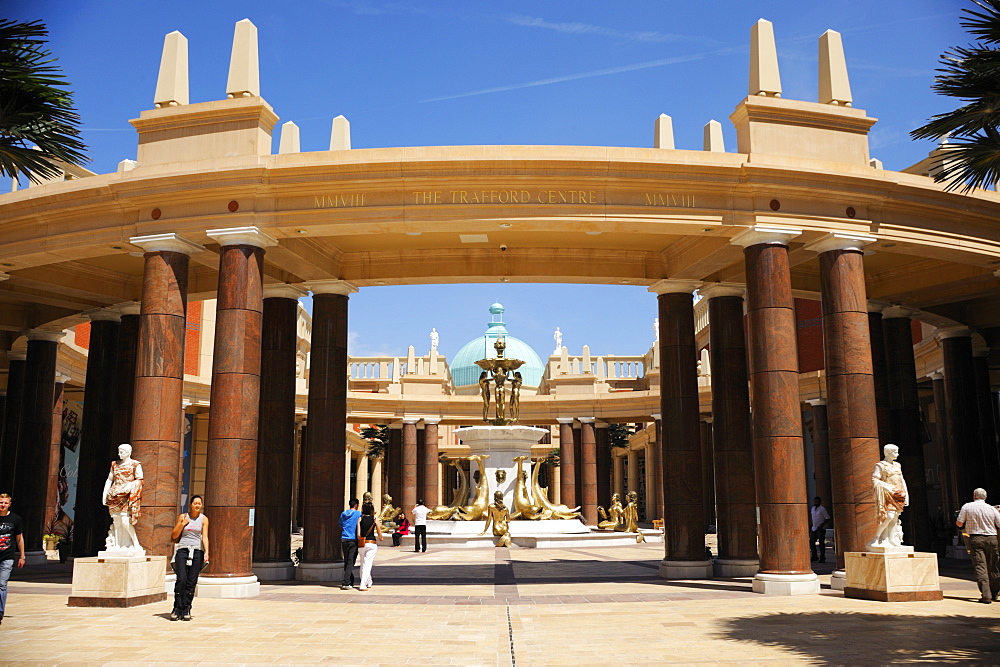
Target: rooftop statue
557,336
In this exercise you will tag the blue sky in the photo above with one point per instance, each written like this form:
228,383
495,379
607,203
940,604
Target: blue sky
442,72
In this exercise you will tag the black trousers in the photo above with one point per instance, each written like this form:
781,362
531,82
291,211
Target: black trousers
396,539
817,544
187,579
420,538
983,550
350,550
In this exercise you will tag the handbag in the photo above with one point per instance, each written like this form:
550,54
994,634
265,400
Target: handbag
367,538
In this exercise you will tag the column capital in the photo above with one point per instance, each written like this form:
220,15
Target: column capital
341,287
877,306
839,241
656,416
953,332
434,421
712,290
128,308
284,291
565,420
586,420
896,311
765,235
395,426
602,425
936,375
670,286
104,315
411,420
4,276
62,378
166,243
251,236
816,401
16,356
41,334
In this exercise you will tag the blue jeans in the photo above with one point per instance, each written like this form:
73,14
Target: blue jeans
5,567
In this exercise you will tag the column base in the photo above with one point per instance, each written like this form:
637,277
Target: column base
786,584
35,557
168,583
838,580
281,571
319,572
735,567
685,569
227,587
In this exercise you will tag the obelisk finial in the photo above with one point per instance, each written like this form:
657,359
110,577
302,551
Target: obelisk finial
172,82
834,86
663,132
764,77
340,134
244,72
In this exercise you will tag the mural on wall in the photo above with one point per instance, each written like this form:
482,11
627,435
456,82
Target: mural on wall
187,455
72,423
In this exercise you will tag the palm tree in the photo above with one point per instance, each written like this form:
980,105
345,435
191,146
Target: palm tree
38,124
971,156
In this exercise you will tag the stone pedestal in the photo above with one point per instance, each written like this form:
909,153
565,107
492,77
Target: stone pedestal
894,576
502,443
118,582
786,584
838,580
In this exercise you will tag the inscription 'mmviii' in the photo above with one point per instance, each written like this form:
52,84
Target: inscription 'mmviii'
669,199
338,201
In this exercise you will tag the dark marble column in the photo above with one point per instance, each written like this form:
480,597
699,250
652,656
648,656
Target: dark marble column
276,433
52,504
325,445
657,448
951,502
987,424
429,464
683,491
34,440
567,462
604,464
880,373
159,386
12,420
394,464
97,449
408,499
124,378
707,471
588,470
779,461
821,452
851,409
963,413
904,410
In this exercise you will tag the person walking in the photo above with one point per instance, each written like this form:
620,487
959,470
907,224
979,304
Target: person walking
191,534
819,518
981,523
420,527
349,542
402,528
371,533
11,547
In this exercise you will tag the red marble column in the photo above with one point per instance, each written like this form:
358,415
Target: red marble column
905,421
567,462
410,464
578,459
851,408
588,470
34,440
732,441
821,451
394,464
604,465
52,504
276,433
325,444
97,449
963,414
429,484
779,461
12,419
683,490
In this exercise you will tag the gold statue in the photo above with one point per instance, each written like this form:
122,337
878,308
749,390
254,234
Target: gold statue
523,508
500,369
461,493
542,497
366,499
632,516
387,517
477,510
498,515
613,518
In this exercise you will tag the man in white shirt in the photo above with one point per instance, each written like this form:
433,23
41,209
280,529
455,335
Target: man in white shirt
981,522
818,519
420,527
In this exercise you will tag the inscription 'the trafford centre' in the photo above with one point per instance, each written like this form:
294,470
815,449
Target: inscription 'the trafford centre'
503,197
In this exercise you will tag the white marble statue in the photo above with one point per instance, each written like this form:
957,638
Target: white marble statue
557,337
434,339
122,493
891,497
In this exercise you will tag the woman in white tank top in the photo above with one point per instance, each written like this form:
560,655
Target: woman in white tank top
191,534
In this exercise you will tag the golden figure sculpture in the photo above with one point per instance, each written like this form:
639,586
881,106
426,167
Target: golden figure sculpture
477,510
499,380
458,498
387,517
499,369
366,498
542,497
498,515
515,396
632,516
523,507
613,518
484,390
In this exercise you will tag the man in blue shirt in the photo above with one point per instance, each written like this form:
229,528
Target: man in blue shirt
349,542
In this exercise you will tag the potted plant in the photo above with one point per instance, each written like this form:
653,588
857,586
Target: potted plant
65,546
50,540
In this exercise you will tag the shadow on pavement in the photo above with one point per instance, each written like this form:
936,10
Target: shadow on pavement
861,638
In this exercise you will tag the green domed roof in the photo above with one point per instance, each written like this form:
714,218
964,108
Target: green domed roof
464,370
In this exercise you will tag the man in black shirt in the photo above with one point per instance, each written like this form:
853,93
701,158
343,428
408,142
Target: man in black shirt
11,547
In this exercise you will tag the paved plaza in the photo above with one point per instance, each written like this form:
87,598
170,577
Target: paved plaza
506,607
